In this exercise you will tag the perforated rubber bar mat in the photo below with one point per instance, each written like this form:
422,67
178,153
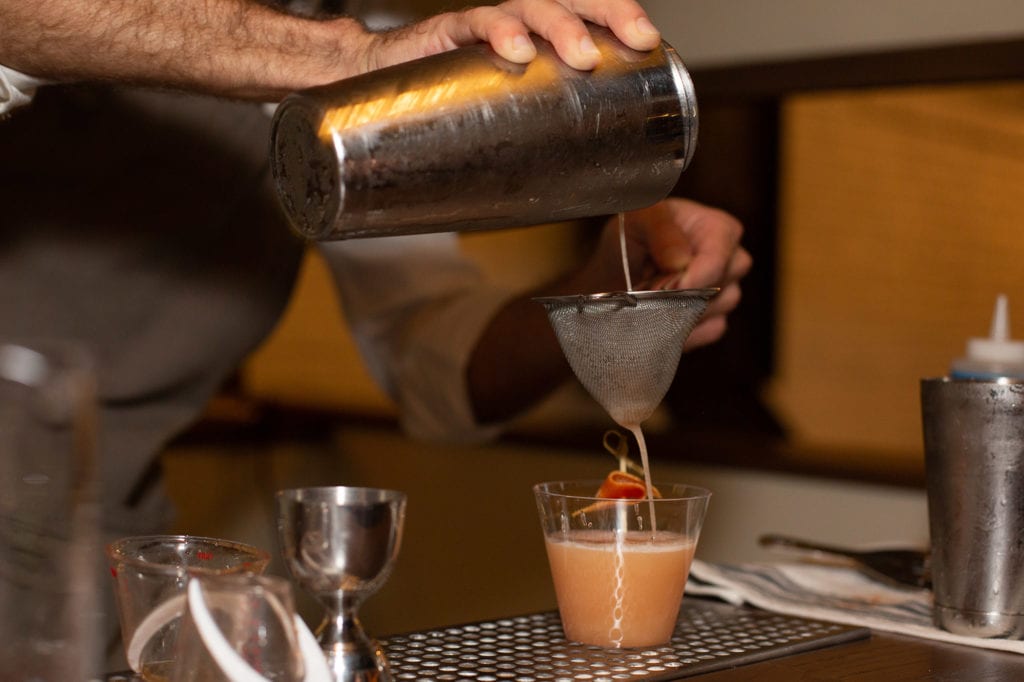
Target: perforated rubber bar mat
709,636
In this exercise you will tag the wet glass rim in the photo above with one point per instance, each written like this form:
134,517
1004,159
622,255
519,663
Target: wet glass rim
342,494
547,488
114,550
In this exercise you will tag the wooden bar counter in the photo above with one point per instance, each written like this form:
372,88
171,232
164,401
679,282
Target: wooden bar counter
882,658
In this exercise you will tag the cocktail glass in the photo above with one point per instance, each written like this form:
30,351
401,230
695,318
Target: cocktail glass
151,573
618,576
340,544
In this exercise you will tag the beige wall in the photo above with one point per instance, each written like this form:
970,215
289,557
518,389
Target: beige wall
715,32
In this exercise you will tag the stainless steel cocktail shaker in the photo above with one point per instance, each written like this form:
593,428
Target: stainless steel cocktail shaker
465,140
974,462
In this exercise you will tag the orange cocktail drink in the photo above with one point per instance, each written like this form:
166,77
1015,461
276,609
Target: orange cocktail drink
619,580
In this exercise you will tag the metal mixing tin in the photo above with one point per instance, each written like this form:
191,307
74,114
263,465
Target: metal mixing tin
465,140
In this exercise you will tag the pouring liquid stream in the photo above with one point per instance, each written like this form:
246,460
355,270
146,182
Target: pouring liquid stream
635,428
622,247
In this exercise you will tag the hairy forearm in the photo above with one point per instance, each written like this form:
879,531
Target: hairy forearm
236,48
515,364
518,362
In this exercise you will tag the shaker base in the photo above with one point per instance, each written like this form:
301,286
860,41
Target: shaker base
988,625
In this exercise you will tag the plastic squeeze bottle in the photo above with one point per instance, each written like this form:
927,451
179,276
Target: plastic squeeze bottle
993,357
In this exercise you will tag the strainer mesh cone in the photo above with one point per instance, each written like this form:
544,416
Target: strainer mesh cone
625,347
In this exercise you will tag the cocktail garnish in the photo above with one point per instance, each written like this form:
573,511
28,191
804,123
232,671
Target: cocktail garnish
617,445
619,485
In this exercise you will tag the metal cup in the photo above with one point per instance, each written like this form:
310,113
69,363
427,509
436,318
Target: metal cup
974,463
465,140
340,543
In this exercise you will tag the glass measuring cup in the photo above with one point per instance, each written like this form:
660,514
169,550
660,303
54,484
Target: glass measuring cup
151,573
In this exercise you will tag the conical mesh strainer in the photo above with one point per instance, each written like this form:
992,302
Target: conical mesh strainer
624,347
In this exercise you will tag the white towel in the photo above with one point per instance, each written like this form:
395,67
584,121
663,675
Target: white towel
832,593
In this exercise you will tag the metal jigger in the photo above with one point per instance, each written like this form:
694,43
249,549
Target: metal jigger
340,544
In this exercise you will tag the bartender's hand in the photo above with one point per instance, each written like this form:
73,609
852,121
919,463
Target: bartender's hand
507,28
679,244
246,49
676,244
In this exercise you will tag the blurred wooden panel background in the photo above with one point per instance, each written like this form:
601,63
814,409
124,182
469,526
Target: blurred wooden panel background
901,219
